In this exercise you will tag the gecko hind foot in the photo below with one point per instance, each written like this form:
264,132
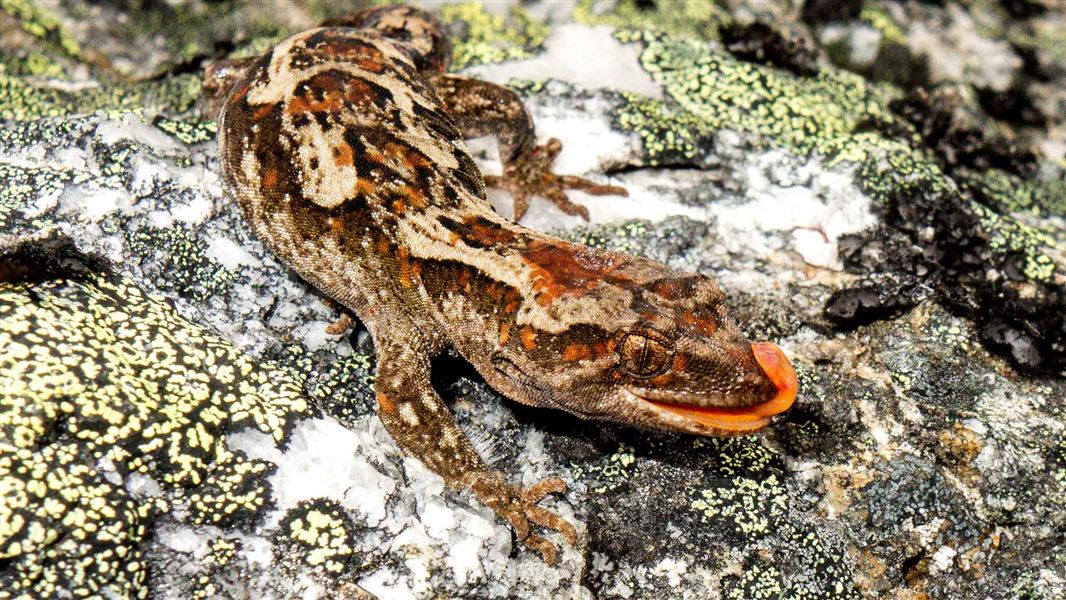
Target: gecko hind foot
533,177
519,506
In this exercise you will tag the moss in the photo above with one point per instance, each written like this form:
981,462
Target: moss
42,24
490,38
100,381
23,101
700,19
184,264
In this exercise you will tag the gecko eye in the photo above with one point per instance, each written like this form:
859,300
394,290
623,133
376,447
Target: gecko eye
643,356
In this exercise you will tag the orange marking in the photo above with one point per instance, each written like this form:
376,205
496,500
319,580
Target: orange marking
336,225
418,200
560,268
364,186
398,206
529,338
576,352
270,179
383,246
342,156
680,362
385,404
505,333
262,112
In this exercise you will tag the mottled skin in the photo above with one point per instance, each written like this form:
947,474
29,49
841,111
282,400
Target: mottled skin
344,148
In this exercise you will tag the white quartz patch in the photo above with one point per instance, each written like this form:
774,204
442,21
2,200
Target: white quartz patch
588,57
813,206
324,460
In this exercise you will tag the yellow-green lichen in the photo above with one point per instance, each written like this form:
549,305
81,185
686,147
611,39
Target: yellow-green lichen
1010,193
22,187
701,19
751,500
30,64
41,23
24,101
610,473
1008,235
802,113
97,378
490,38
320,534
184,261
187,132
667,134
760,582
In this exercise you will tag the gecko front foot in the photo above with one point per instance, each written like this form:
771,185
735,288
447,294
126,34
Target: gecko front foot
519,506
533,177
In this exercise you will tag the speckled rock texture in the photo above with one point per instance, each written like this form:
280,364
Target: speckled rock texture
878,186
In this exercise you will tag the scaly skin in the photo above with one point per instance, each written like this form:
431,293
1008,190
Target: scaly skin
344,149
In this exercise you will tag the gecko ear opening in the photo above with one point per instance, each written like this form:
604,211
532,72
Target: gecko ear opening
520,385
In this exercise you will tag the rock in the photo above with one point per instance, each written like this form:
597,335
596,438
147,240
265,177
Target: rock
175,421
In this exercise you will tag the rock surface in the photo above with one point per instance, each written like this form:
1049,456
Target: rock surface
175,422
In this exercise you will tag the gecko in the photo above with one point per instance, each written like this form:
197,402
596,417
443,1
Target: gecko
344,148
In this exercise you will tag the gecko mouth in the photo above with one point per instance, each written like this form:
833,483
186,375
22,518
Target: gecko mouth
747,419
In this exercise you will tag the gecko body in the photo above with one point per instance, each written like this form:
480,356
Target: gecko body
344,148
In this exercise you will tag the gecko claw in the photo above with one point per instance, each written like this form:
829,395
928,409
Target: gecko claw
532,176
519,507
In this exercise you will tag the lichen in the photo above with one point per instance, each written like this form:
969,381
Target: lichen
752,499
21,187
98,382
320,534
187,132
1008,235
23,101
700,19
490,38
42,24
608,473
184,264
669,135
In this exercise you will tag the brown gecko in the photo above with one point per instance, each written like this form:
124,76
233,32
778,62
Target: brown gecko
344,148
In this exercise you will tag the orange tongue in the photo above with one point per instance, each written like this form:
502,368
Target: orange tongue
777,367
750,418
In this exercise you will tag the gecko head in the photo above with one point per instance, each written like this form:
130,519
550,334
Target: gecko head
672,359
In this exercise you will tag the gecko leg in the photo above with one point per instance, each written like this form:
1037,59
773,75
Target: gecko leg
420,423
532,176
219,78
481,108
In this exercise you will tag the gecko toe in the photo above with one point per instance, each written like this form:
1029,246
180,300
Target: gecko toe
519,506
547,549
